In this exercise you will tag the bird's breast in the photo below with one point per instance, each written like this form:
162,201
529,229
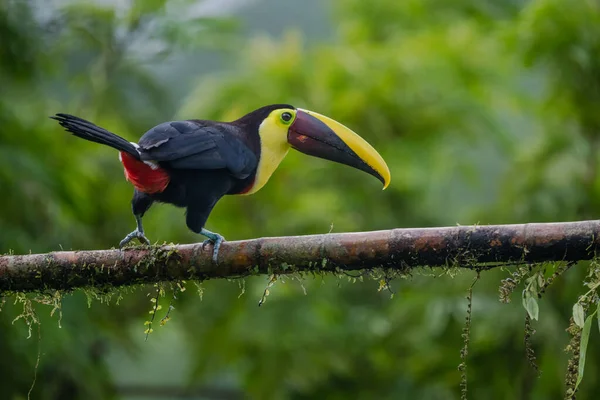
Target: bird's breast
270,158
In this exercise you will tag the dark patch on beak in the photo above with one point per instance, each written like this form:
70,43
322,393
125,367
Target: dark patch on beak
313,137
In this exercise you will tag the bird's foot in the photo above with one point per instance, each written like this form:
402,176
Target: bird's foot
137,234
215,239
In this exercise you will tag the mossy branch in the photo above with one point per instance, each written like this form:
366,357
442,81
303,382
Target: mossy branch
397,249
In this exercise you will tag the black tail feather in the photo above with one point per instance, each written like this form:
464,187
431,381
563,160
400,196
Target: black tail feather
87,130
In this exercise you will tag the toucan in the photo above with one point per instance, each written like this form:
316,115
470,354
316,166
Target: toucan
194,163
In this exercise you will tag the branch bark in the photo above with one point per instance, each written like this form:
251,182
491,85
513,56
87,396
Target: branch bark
397,249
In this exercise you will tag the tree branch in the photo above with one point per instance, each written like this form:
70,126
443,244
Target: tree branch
398,249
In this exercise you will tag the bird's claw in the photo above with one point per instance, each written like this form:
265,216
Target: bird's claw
215,239
134,235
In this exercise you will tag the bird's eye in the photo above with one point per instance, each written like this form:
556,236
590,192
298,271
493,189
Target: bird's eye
286,117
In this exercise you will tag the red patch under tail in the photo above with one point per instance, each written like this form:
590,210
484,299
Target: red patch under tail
143,177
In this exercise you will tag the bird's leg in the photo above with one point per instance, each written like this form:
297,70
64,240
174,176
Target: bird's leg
196,217
137,233
140,203
213,238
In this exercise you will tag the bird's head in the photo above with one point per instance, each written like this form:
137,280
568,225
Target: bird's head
319,136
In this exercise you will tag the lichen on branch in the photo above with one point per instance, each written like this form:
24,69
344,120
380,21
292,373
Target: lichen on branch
480,247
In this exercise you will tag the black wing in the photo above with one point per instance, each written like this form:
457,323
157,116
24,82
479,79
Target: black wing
198,145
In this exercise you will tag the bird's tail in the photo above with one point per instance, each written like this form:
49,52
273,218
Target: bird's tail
88,131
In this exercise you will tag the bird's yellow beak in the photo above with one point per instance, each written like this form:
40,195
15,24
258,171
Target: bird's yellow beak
317,135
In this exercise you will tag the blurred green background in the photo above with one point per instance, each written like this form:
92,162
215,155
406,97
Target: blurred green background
486,112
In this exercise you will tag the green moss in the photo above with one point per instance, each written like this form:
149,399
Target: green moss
28,314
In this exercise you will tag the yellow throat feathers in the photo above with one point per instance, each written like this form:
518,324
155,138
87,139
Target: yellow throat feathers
273,148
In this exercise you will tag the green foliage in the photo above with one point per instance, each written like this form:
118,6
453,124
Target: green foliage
585,336
485,112
578,314
531,293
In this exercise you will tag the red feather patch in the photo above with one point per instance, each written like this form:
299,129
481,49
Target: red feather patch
143,177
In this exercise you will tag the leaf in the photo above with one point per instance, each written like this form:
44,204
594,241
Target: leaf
578,314
598,315
585,336
540,280
531,305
